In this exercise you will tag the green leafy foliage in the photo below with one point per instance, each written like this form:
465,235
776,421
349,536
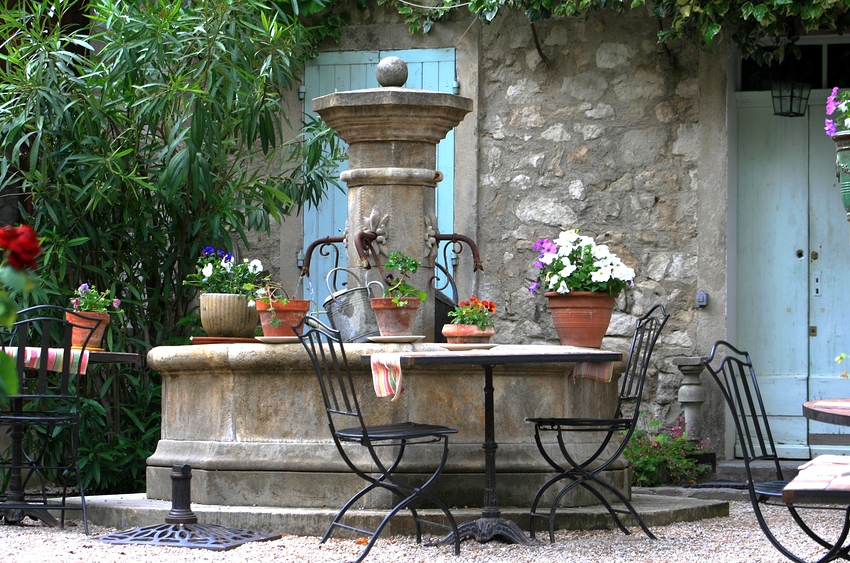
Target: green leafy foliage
743,22
135,142
659,456
398,288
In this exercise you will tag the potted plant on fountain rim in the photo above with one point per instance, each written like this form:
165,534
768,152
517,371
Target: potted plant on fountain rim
396,310
91,307
582,280
278,313
471,322
227,293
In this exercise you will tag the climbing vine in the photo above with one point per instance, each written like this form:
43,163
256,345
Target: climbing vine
764,31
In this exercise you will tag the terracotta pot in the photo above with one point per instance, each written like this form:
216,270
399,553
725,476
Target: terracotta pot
581,317
467,334
394,320
228,314
289,315
87,319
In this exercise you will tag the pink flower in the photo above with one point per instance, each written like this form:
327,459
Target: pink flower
832,102
829,127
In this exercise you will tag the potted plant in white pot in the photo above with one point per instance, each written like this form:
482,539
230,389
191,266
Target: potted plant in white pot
396,310
227,293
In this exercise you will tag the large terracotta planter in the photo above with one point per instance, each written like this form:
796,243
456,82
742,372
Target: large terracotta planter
87,319
581,317
842,167
394,320
228,314
467,334
289,315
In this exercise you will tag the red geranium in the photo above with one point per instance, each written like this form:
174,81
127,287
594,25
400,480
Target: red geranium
20,246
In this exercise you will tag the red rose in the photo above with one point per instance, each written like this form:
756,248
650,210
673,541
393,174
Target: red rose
20,246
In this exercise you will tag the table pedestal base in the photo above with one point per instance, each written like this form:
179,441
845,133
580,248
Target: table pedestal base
17,515
486,529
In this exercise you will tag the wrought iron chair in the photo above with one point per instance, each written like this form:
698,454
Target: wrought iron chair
347,426
585,471
733,371
43,418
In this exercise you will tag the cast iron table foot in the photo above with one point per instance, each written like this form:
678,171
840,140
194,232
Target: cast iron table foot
486,529
16,516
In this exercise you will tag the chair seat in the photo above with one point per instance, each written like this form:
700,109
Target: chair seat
770,488
581,424
404,430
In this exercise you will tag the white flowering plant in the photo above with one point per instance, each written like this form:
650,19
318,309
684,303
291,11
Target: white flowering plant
218,272
574,262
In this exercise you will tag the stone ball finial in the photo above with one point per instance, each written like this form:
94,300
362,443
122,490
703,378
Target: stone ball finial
392,71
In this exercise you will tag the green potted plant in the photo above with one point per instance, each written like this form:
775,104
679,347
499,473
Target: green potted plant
90,308
227,293
278,313
396,310
581,279
471,322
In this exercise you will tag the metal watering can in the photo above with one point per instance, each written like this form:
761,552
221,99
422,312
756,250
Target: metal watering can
349,310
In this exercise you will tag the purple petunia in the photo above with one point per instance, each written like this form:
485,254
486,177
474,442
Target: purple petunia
829,127
533,287
832,102
208,251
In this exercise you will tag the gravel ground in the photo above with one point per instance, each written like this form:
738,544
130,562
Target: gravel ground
731,539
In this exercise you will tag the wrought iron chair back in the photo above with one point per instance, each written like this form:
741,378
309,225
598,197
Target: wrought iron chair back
45,409
732,369
585,471
736,378
327,354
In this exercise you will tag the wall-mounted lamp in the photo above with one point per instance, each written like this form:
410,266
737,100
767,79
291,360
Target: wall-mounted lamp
302,92
790,99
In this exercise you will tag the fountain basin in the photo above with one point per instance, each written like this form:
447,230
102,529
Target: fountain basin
250,421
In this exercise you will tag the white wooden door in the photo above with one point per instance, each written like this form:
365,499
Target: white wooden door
428,69
792,251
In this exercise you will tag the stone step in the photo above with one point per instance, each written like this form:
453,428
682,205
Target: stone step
135,510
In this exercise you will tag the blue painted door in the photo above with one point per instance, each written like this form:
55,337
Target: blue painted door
428,69
792,261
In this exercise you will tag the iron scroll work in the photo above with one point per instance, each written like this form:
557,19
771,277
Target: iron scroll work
181,528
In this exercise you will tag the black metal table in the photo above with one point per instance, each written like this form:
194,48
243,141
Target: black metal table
491,525
15,487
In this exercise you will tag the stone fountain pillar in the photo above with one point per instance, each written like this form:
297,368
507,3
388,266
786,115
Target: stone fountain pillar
392,133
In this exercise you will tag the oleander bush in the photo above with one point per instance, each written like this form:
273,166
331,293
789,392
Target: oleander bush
135,138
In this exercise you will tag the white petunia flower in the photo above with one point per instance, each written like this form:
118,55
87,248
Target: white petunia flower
255,267
207,271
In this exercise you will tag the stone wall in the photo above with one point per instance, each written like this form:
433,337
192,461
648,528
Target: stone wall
612,134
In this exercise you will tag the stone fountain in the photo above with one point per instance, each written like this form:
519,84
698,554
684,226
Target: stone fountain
249,419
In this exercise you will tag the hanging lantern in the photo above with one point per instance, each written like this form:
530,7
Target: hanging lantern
790,99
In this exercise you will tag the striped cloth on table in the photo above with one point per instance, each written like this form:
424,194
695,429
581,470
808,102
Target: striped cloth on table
55,358
600,371
386,374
